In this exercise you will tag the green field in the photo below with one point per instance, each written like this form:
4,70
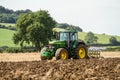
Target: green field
102,38
6,37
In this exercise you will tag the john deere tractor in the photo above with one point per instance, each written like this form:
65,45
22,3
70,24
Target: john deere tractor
65,46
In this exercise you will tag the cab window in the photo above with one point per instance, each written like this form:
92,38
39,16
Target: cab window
64,36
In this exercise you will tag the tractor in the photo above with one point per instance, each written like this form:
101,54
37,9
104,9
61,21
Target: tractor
65,46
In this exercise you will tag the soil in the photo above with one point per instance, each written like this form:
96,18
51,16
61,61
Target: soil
25,67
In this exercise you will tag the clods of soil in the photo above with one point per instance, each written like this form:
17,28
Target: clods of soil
82,69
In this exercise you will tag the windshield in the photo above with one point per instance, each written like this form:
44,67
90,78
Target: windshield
64,36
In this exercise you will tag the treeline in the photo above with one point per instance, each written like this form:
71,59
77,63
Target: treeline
6,49
68,26
10,16
8,27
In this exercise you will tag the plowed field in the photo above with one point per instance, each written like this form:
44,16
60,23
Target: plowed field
28,67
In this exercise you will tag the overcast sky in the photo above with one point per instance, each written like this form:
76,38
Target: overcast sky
98,16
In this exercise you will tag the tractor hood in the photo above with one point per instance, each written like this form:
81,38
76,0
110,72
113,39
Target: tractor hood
57,42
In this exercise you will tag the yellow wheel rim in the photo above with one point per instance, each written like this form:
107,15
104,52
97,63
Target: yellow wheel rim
63,55
82,53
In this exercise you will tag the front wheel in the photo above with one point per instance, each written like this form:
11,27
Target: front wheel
61,53
81,52
41,52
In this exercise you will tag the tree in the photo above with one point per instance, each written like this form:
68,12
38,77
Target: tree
35,27
90,38
113,41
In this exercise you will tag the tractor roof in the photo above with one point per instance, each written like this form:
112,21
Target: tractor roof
63,30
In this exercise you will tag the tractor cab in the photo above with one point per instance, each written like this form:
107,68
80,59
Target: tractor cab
68,36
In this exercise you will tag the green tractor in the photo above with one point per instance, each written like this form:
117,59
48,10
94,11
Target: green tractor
65,46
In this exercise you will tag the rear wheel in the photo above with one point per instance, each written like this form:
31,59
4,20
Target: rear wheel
61,53
81,52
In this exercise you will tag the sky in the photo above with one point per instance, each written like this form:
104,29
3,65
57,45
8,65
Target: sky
98,16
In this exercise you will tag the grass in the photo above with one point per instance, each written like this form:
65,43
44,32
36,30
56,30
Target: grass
6,37
102,38
81,35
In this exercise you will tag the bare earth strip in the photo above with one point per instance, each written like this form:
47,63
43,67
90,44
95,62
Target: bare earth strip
16,57
110,54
